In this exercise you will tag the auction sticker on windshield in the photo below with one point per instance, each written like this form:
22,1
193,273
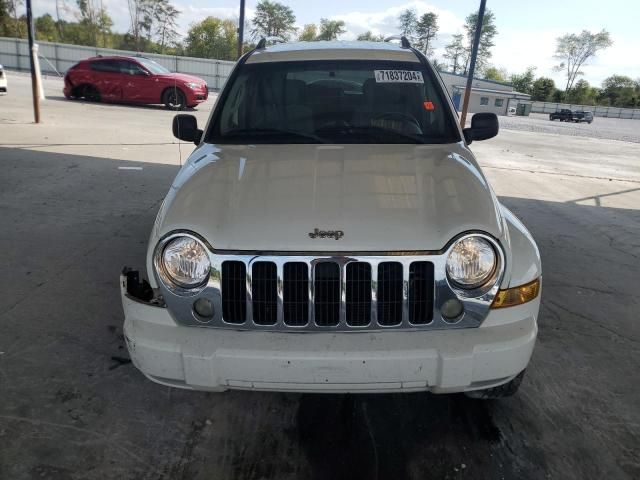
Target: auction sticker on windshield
398,76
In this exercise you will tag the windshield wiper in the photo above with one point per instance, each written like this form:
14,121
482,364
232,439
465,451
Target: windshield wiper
266,132
378,133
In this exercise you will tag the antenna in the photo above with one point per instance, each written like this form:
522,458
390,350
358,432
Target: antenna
262,44
403,40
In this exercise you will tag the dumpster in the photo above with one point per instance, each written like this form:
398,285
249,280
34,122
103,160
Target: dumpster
523,109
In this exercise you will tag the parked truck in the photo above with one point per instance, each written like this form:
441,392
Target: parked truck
566,115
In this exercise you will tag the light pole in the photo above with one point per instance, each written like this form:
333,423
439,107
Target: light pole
472,63
241,29
34,79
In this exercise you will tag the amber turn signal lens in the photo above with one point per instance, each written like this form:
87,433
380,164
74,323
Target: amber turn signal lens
517,295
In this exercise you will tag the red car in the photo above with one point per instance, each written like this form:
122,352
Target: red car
133,80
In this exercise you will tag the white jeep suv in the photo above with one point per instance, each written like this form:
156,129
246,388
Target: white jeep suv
332,232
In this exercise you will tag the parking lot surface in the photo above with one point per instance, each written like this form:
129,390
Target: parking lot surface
78,197
602,127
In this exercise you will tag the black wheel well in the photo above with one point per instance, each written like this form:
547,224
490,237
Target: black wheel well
78,90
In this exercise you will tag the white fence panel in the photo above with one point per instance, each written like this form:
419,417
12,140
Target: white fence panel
598,110
58,58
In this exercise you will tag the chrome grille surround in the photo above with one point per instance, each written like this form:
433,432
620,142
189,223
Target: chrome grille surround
476,302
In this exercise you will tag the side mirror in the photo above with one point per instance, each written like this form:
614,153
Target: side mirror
483,126
185,127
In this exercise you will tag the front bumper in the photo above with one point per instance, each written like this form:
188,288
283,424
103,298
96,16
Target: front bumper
441,361
195,97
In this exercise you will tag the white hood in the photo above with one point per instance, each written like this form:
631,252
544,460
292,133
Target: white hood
383,197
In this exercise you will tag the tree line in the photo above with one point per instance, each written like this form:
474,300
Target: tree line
153,28
615,90
153,25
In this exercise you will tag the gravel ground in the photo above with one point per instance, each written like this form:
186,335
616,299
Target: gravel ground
607,128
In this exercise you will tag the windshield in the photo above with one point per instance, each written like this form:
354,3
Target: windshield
333,102
152,66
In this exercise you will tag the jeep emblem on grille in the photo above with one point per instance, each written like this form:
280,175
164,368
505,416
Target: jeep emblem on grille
335,234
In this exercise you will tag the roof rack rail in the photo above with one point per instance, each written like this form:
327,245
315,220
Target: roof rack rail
262,44
404,42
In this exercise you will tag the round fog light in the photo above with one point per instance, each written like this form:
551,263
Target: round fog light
203,307
451,309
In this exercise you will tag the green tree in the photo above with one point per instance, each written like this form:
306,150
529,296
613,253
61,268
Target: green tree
138,22
523,82
487,34
438,65
212,38
495,73
309,33
89,16
368,36
582,93
455,52
408,22
45,27
272,19
558,96
10,23
104,24
542,89
574,51
620,91
330,29
426,31
167,25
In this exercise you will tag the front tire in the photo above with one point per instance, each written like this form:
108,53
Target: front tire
174,99
501,391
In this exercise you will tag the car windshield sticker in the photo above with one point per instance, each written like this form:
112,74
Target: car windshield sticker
428,105
398,76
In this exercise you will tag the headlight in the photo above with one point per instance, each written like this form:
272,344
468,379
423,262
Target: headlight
471,262
185,262
192,85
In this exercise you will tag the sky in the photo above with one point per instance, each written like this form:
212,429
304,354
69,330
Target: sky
527,30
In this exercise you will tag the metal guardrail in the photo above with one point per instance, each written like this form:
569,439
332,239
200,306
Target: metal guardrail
58,57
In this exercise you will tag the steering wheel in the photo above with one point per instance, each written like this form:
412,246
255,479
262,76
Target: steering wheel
407,118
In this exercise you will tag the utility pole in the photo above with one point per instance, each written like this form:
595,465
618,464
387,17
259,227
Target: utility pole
472,63
34,79
241,29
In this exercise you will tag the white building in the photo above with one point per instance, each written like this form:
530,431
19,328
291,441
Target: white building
486,95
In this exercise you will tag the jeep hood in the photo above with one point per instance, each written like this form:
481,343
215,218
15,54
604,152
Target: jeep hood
383,197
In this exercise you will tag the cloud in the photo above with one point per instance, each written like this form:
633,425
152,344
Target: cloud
192,14
517,49
386,21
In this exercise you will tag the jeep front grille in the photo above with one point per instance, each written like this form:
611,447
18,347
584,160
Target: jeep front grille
332,293
326,293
